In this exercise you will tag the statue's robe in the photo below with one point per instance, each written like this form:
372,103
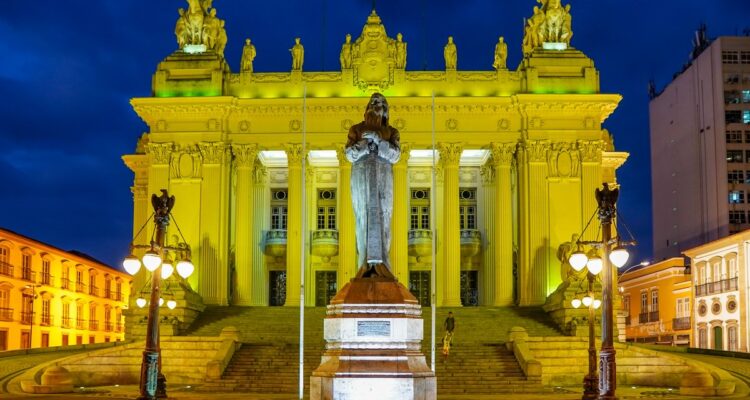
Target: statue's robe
372,192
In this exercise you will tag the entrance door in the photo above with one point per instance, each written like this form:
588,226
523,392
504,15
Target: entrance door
65,340
325,287
276,288
718,338
3,340
419,285
25,340
469,288
45,339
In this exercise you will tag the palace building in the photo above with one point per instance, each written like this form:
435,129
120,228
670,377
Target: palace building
255,161
51,297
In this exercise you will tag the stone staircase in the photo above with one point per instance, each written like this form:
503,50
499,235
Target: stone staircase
268,360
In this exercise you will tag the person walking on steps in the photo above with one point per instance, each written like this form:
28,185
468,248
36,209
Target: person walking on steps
449,325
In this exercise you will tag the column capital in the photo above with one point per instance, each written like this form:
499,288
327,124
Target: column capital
536,150
212,152
502,153
341,155
591,150
405,155
245,154
450,153
159,153
294,154
488,173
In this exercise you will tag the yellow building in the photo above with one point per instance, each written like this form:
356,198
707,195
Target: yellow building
720,271
52,297
519,154
657,299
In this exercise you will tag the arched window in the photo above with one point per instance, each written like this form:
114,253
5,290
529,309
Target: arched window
5,267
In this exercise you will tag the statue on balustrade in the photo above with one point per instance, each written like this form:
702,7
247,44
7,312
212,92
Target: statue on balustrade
248,55
501,54
373,146
451,54
400,51
346,53
298,55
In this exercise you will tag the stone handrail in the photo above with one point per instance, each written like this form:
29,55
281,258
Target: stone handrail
320,234
517,337
420,234
231,343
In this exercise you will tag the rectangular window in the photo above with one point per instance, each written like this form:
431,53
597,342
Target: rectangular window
746,116
654,300
733,116
736,196
734,136
46,308
736,176
420,208
737,217
644,302
468,208
735,156
683,307
745,57
732,97
746,96
326,218
425,214
414,218
730,57
278,217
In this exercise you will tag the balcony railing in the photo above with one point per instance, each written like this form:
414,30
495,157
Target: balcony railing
108,327
107,293
118,327
93,325
66,284
94,291
471,242
325,243
80,287
80,324
28,275
6,269
721,286
46,278
27,317
646,317
118,296
65,322
46,320
275,245
681,324
6,314
420,243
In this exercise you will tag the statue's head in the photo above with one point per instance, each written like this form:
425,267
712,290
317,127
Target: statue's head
247,42
181,11
399,37
348,38
450,39
377,110
536,9
296,40
502,39
213,12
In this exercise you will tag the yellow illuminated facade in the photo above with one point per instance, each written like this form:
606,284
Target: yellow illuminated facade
658,300
518,153
50,297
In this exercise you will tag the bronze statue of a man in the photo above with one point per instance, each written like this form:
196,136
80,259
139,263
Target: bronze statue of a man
373,146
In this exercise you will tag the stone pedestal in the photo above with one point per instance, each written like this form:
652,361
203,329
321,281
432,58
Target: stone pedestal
374,332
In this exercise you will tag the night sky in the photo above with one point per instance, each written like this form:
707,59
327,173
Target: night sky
68,69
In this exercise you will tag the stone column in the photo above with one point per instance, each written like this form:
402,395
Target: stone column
260,224
400,221
534,224
295,159
245,243
214,216
347,243
502,157
450,155
488,210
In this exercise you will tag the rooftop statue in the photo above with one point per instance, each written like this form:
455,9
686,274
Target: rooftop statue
550,23
451,54
346,53
298,55
200,26
248,55
501,54
400,51
373,146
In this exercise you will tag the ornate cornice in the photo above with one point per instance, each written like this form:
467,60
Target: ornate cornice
213,152
502,153
156,111
159,153
450,153
245,154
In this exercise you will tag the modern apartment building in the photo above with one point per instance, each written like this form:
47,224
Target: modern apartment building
657,299
51,297
700,148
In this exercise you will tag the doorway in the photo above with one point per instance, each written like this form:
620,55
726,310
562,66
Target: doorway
325,287
469,288
45,339
25,340
3,340
276,288
419,286
718,338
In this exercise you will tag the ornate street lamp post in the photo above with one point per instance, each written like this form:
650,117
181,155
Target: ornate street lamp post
153,382
606,213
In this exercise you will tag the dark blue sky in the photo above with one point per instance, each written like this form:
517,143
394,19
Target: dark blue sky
68,69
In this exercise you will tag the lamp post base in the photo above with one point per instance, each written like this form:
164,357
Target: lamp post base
607,374
590,387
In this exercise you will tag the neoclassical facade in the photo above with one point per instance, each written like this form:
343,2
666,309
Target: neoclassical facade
51,297
720,279
256,163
